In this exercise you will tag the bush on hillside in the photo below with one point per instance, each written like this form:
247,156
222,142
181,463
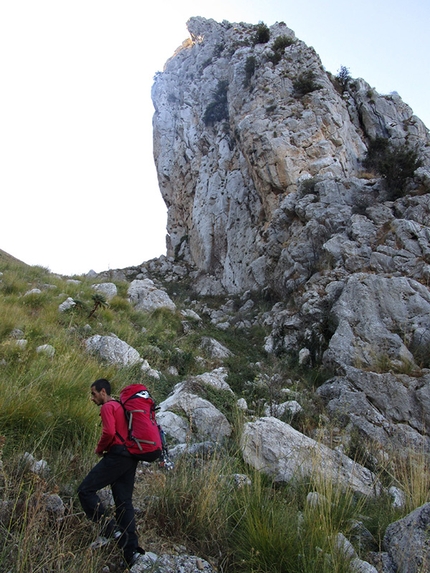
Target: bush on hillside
343,77
217,110
262,34
282,42
305,83
395,163
249,70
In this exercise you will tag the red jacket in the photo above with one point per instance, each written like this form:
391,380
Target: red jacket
114,423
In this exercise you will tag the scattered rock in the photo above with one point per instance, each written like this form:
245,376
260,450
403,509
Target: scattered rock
145,296
109,290
113,350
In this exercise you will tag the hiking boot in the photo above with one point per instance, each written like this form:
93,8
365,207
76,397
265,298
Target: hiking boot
111,530
134,557
99,542
143,563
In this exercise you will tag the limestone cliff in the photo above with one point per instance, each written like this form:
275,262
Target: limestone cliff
259,157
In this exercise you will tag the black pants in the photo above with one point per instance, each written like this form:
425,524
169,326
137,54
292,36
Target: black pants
118,470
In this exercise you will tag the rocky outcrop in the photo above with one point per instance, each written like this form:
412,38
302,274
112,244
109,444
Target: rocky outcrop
259,158
390,409
260,155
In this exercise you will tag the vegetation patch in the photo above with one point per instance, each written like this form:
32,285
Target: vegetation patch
279,45
217,110
250,66
305,83
395,163
262,34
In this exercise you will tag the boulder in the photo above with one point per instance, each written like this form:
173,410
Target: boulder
291,407
407,541
214,349
67,304
46,349
216,378
204,420
390,409
113,350
145,296
375,317
175,426
282,452
109,290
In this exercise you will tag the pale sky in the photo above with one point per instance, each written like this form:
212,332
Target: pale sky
77,177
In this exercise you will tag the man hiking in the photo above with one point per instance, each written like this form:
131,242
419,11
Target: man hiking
117,468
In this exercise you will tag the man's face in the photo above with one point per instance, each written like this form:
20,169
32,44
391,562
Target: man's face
98,398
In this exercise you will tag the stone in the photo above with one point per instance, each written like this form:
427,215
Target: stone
369,312
407,541
216,378
113,350
204,420
282,452
33,291
39,467
167,563
109,290
291,407
174,425
145,296
67,304
214,349
388,408
54,505
46,349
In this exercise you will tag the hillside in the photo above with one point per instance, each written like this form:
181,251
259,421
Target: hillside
7,258
285,337
247,432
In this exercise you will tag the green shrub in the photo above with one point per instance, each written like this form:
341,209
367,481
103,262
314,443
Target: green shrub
395,163
305,83
282,42
343,77
275,57
217,110
262,34
278,48
249,70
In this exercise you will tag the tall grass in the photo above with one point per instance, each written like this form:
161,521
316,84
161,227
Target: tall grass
259,527
34,540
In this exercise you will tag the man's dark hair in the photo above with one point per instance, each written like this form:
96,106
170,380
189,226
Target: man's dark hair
100,384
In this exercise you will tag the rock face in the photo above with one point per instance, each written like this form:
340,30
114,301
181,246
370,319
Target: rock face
384,407
261,160
263,179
